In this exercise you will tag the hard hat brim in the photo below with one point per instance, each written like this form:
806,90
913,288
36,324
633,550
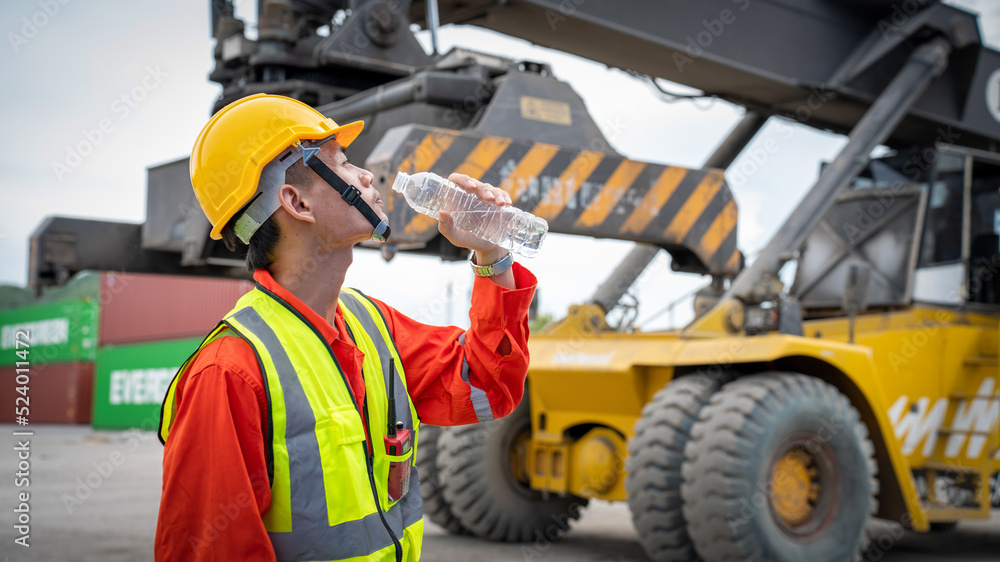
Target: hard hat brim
347,133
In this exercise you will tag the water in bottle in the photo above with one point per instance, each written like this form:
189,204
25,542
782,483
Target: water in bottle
509,227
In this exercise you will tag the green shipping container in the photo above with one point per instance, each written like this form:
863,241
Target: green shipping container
59,332
132,379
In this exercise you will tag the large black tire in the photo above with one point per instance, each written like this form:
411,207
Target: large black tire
780,468
654,466
486,496
436,507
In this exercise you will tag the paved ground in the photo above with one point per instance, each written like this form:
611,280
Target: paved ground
94,496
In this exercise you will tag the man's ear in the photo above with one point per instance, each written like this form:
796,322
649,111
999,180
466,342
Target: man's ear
296,203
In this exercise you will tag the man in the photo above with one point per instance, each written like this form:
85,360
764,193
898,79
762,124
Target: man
277,431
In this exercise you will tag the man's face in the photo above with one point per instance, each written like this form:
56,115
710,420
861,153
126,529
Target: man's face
338,220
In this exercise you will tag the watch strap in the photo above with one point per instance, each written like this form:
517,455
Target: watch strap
503,264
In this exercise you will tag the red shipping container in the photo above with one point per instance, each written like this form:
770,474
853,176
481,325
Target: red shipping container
139,307
56,393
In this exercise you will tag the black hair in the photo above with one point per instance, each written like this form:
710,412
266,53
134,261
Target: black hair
264,242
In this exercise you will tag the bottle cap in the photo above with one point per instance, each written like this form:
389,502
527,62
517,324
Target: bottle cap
399,184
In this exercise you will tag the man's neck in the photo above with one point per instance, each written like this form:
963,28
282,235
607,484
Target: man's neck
314,277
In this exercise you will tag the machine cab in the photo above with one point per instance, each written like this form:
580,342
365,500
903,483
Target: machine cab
942,204
959,254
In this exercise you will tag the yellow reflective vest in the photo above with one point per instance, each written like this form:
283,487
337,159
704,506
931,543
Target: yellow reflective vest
329,497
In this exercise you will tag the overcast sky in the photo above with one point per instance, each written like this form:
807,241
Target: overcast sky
68,78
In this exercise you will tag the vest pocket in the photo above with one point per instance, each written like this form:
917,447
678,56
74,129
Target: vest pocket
398,475
344,425
400,458
341,440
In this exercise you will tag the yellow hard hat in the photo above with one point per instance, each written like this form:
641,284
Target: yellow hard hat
241,139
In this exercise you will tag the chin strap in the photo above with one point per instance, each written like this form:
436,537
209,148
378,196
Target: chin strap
351,194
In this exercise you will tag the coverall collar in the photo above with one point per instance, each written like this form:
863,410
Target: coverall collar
329,332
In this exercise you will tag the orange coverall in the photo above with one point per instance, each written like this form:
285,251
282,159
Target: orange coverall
215,482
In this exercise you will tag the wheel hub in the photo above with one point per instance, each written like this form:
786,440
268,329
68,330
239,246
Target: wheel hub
795,486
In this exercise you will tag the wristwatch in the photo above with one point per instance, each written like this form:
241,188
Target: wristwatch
492,269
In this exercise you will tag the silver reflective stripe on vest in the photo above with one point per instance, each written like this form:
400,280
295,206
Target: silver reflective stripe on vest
308,498
352,538
480,403
312,537
368,323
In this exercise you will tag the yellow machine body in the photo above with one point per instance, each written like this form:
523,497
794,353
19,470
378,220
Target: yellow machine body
924,380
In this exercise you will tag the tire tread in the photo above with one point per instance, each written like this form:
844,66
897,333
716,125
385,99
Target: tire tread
474,484
656,454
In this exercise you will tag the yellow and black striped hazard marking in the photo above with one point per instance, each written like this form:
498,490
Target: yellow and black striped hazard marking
577,191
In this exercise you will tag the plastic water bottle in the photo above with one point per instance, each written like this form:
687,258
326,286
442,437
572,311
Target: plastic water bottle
509,227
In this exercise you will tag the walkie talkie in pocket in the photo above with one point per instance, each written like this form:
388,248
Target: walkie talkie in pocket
398,443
